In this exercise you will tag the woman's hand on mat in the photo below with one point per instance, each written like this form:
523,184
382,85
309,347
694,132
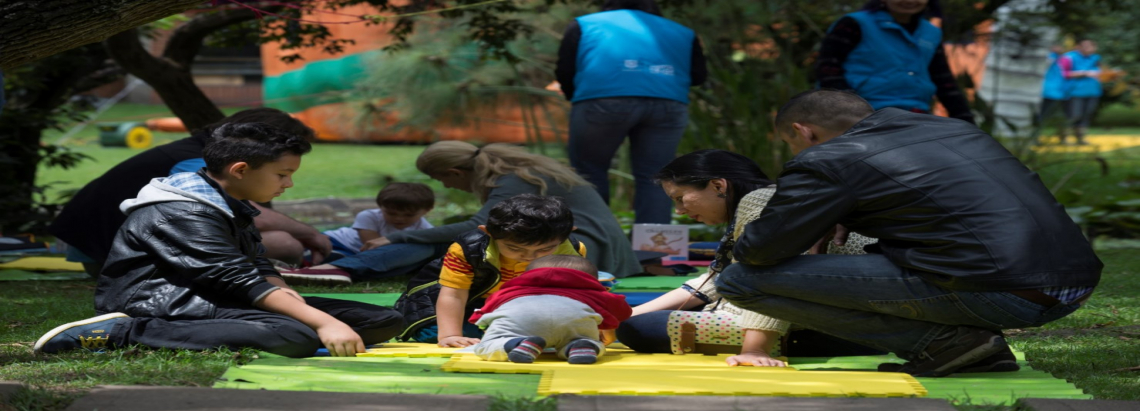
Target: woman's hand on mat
340,339
457,341
758,360
375,243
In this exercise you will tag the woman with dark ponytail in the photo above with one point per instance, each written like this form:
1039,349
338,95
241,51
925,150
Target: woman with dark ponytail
721,187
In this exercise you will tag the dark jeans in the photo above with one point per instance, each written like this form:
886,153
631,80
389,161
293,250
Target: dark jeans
647,333
250,327
654,127
390,261
869,300
1080,111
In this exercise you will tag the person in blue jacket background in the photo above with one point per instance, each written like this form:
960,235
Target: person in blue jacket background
889,54
1054,90
1081,68
627,71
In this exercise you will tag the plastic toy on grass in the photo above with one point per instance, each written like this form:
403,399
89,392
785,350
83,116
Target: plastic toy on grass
128,134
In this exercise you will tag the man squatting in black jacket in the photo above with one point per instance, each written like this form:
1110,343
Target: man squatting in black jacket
186,270
970,241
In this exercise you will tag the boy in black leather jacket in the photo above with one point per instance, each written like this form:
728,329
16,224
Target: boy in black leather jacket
186,269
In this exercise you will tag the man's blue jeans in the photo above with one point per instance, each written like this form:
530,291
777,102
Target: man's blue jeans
869,300
390,261
654,127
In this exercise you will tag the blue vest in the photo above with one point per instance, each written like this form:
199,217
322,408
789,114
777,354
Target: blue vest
1084,86
1054,86
629,53
891,66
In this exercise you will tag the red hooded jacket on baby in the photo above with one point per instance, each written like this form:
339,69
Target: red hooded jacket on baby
565,282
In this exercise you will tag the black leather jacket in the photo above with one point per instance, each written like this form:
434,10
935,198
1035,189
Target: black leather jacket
945,200
181,259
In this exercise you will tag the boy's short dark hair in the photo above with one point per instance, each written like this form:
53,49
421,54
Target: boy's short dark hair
407,197
252,143
564,261
530,219
271,116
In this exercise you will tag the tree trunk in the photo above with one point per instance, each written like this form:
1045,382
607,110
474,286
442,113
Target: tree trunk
170,74
40,101
33,29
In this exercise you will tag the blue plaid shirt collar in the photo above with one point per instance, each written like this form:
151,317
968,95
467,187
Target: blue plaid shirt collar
199,185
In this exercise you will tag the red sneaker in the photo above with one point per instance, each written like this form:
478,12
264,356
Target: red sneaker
314,276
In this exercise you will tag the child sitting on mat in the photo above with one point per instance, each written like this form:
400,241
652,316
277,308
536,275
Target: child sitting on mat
519,230
558,302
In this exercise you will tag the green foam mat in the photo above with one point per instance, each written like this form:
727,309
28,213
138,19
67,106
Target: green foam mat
654,283
371,374
23,275
980,388
384,299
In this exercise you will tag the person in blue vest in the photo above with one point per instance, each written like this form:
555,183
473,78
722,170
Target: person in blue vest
889,54
1054,90
1081,68
627,71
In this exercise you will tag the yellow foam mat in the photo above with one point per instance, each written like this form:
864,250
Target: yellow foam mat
621,372
409,350
1097,143
42,264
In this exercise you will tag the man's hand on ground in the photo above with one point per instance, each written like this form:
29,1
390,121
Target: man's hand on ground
320,245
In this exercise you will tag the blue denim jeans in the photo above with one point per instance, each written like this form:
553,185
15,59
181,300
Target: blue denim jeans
654,127
869,300
390,261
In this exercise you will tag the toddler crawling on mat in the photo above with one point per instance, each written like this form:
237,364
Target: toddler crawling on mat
558,302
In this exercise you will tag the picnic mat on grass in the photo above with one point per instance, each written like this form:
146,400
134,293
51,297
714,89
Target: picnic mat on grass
384,299
416,368
980,388
389,299
650,283
24,275
370,374
42,264
624,372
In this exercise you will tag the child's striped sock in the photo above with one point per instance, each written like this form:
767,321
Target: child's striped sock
524,350
582,352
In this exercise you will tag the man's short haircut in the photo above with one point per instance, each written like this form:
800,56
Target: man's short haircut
564,261
530,219
406,197
831,109
252,143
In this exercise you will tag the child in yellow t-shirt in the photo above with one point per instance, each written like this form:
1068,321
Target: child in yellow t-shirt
518,230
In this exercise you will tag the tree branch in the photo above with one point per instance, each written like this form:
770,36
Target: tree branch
33,29
187,39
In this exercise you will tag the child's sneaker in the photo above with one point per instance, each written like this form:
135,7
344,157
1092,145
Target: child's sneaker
582,352
91,334
525,350
314,276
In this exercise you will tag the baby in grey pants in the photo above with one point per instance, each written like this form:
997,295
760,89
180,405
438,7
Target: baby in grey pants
557,303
